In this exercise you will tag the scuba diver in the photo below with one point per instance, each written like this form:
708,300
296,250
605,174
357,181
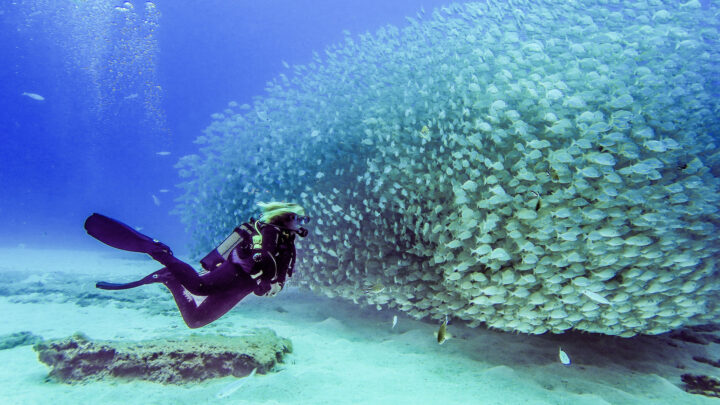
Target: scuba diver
256,257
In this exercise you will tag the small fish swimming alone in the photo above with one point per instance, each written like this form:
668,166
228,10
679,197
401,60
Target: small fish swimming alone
564,358
163,190
442,333
394,323
162,153
34,96
234,386
156,200
130,96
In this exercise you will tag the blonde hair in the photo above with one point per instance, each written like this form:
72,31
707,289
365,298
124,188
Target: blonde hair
275,209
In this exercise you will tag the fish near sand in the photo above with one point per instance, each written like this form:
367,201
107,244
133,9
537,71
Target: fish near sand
33,96
564,358
442,333
394,323
233,386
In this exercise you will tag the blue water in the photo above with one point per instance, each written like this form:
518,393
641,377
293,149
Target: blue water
120,86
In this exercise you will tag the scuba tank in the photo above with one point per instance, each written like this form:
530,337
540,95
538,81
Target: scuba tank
247,235
241,235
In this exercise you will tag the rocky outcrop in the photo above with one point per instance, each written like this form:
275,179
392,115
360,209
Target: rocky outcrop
168,361
13,340
702,385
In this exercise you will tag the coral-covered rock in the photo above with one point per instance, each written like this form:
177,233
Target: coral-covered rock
702,385
13,340
168,361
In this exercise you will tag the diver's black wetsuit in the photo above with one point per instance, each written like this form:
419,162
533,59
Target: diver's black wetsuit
223,286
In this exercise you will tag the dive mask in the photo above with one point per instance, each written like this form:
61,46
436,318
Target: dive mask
301,219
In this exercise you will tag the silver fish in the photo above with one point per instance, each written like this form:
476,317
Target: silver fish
234,386
34,96
596,297
564,358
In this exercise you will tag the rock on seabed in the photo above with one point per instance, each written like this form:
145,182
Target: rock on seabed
79,359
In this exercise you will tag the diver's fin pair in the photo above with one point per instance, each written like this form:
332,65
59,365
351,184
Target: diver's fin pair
121,236
156,277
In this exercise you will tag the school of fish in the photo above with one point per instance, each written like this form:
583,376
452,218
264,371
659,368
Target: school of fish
528,166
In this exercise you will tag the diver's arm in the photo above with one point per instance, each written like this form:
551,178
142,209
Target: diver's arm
287,258
291,266
267,260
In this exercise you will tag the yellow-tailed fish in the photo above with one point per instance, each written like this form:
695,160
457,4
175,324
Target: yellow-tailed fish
442,333
425,133
375,289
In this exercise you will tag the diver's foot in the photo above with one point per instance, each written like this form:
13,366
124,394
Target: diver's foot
161,276
160,251
163,247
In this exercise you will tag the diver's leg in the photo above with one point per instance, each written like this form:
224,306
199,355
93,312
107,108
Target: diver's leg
182,272
219,280
212,308
184,301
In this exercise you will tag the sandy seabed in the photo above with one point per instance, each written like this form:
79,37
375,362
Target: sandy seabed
342,354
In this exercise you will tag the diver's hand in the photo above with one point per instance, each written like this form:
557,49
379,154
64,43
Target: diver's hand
274,289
